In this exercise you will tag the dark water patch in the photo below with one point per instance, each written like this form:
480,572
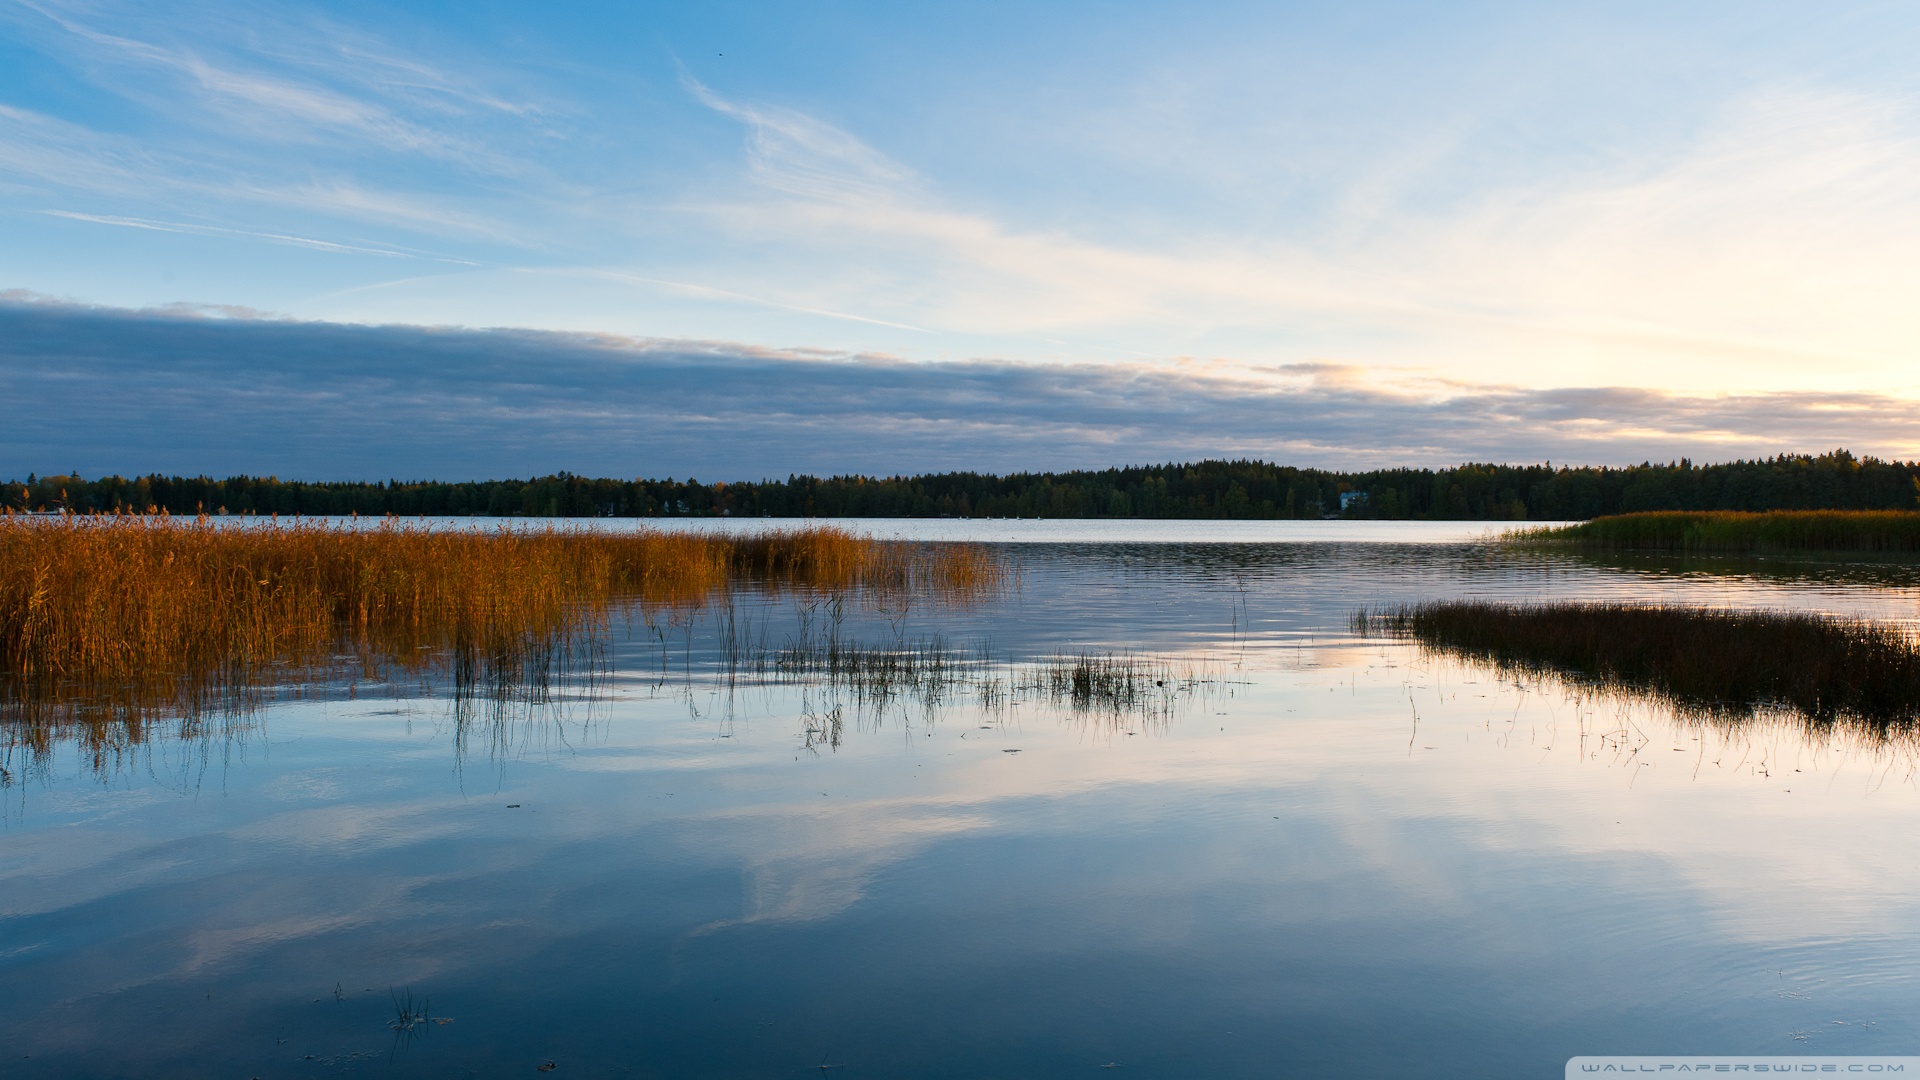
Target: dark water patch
1833,569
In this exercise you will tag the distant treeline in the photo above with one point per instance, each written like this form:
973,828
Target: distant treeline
1207,489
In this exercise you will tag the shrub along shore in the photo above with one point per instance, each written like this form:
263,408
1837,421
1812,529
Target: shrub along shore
1205,489
1889,532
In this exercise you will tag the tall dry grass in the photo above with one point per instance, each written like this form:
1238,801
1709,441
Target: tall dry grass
130,614
1702,662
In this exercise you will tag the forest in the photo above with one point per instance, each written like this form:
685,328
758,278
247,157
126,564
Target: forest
1206,489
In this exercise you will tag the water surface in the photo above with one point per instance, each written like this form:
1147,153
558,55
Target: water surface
1304,851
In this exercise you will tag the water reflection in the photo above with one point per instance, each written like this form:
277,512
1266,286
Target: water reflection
1890,571
741,653
1113,634
1619,725
1720,665
733,841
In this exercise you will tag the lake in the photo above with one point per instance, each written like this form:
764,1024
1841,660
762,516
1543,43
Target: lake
1156,812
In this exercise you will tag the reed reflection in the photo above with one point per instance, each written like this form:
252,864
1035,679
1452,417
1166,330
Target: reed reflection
881,676
1717,667
1869,571
115,630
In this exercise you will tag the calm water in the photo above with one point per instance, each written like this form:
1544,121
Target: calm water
1002,530
1304,854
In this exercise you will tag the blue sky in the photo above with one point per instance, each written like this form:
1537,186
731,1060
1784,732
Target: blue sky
1705,204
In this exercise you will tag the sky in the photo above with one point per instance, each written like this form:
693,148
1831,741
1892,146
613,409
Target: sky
743,240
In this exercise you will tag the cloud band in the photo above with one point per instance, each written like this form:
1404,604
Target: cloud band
110,390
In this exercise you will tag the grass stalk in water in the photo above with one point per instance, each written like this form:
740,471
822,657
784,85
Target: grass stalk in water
1106,684
928,671
1702,661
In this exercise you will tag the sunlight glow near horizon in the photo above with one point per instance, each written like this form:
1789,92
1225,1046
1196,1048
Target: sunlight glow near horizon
1720,199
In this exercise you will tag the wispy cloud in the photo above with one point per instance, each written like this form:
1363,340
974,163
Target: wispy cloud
797,153
273,104
214,230
266,122
1768,250
709,291
133,390
1762,245
39,152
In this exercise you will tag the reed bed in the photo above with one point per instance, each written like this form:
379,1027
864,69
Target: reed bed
133,614
1706,663
1889,532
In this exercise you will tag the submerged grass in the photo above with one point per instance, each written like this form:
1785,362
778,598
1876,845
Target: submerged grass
121,617
1891,532
928,671
1111,688
1702,662
1107,684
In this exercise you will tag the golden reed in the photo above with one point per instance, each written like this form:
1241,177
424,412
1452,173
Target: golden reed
130,613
